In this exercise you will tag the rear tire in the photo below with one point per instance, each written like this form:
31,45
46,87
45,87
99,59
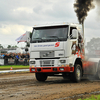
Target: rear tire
41,76
77,74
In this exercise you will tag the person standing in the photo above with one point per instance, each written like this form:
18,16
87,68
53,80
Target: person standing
6,59
16,59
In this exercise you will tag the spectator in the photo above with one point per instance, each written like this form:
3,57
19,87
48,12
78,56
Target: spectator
26,61
6,59
2,55
16,59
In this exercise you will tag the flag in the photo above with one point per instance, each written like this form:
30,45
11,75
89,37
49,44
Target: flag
22,38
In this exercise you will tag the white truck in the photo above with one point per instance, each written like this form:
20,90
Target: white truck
58,50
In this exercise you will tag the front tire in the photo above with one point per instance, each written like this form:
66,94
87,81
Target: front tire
77,74
41,76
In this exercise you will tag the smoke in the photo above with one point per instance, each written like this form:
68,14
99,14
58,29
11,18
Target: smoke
82,7
98,7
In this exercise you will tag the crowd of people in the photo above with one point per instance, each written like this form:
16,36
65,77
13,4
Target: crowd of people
15,58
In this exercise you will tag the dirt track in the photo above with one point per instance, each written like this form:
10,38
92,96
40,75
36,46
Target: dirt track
25,87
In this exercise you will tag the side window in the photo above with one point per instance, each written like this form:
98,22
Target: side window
71,28
36,34
79,38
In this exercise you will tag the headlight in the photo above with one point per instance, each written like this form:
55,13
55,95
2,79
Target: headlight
62,61
32,62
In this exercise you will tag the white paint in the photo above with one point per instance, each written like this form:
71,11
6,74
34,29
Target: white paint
14,71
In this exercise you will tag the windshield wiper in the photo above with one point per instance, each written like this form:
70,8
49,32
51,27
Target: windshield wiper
38,38
53,37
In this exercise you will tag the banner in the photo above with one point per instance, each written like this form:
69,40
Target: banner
11,61
1,61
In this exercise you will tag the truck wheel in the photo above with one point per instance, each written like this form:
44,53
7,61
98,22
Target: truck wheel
41,76
77,74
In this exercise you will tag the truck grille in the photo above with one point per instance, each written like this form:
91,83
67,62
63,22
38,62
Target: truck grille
46,63
46,54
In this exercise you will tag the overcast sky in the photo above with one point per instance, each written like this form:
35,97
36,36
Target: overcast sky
19,16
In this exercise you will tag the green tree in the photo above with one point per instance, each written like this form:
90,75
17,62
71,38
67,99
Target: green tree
14,46
30,34
93,46
9,46
1,47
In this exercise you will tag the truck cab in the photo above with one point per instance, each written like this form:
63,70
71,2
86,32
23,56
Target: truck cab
57,49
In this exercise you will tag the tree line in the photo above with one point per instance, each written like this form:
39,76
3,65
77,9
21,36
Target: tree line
9,46
93,46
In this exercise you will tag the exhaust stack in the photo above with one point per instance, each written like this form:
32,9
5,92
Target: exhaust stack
83,29
83,37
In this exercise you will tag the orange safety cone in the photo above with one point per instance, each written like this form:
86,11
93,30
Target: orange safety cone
11,68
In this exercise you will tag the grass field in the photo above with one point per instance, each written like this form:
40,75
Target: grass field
93,97
13,66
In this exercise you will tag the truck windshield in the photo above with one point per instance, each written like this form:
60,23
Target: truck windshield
50,34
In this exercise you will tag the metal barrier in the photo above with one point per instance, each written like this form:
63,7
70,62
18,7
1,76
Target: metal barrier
14,61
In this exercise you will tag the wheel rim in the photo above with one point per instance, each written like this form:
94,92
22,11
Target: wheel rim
78,73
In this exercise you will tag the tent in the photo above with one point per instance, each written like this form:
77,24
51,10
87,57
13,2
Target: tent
19,50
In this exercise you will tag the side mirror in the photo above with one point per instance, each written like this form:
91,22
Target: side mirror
74,34
26,49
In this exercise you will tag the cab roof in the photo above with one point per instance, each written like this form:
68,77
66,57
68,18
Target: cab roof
58,24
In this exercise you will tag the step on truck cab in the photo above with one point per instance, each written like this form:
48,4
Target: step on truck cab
57,49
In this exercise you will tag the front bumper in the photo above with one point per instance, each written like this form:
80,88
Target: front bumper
51,69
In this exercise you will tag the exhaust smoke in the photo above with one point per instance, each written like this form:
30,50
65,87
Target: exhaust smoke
98,7
82,7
